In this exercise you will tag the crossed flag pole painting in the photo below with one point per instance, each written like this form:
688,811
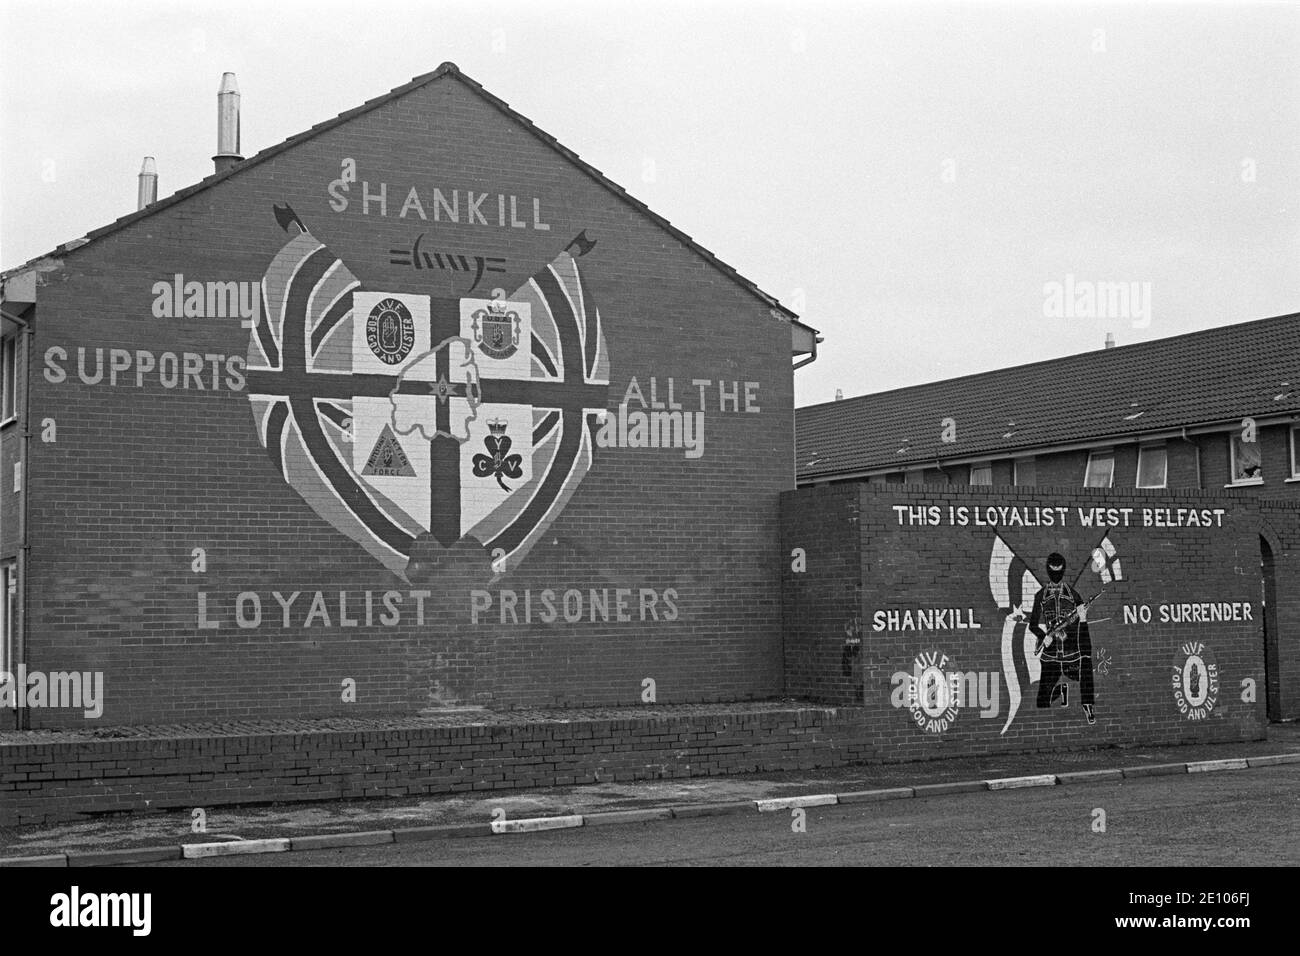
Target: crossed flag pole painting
395,414
1014,585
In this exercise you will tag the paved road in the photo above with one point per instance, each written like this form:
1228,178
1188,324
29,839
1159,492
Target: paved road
1231,818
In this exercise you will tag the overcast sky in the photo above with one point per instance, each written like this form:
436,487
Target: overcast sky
911,178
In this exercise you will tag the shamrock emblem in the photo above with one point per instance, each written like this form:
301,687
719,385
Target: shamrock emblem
499,462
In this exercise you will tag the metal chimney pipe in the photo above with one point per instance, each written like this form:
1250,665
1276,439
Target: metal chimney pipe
148,180
1110,340
227,124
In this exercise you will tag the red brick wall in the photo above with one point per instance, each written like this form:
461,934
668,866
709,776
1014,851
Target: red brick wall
822,605
48,783
140,476
924,566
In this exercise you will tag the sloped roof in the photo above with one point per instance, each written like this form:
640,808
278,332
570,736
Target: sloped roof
1201,378
445,70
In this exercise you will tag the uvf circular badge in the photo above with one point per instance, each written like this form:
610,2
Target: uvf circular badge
390,331
1195,681
932,700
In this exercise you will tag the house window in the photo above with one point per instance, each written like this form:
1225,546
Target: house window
1101,469
1247,466
1025,472
1295,452
982,474
1153,467
8,378
9,581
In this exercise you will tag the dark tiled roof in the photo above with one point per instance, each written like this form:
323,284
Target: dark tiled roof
445,70
1249,369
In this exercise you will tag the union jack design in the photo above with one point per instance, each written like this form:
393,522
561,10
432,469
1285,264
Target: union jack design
338,372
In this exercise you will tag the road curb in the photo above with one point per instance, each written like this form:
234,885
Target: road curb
1273,761
193,851
1016,783
1155,770
52,859
941,789
143,854
789,803
626,816
1209,766
328,840
712,809
871,796
201,851
533,824
449,831
1089,776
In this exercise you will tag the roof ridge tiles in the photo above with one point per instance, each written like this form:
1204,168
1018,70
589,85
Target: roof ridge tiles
1041,363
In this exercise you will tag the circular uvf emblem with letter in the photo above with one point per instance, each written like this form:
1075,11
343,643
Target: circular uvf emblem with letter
1195,681
931,697
390,331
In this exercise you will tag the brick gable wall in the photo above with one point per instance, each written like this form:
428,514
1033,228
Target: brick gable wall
141,475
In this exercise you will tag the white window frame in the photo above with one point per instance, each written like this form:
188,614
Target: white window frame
1093,456
1295,453
8,379
1233,480
981,465
1146,450
8,615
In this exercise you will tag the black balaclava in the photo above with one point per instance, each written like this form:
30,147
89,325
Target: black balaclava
1055,567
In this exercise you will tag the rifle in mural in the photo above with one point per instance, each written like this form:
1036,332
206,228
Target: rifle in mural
1065,623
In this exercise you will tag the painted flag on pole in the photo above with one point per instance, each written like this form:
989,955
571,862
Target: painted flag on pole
1014,587
1105,562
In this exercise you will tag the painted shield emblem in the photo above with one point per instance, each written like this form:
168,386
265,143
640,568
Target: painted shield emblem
390,330
496,330
396,415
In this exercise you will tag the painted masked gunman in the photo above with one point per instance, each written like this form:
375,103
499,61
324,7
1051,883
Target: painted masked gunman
1060,622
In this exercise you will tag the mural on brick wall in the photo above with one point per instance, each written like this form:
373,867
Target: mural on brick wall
1046,638
396,415
1057,616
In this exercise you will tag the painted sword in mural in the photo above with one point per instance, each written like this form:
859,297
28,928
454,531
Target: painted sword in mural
1045,636
394,414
